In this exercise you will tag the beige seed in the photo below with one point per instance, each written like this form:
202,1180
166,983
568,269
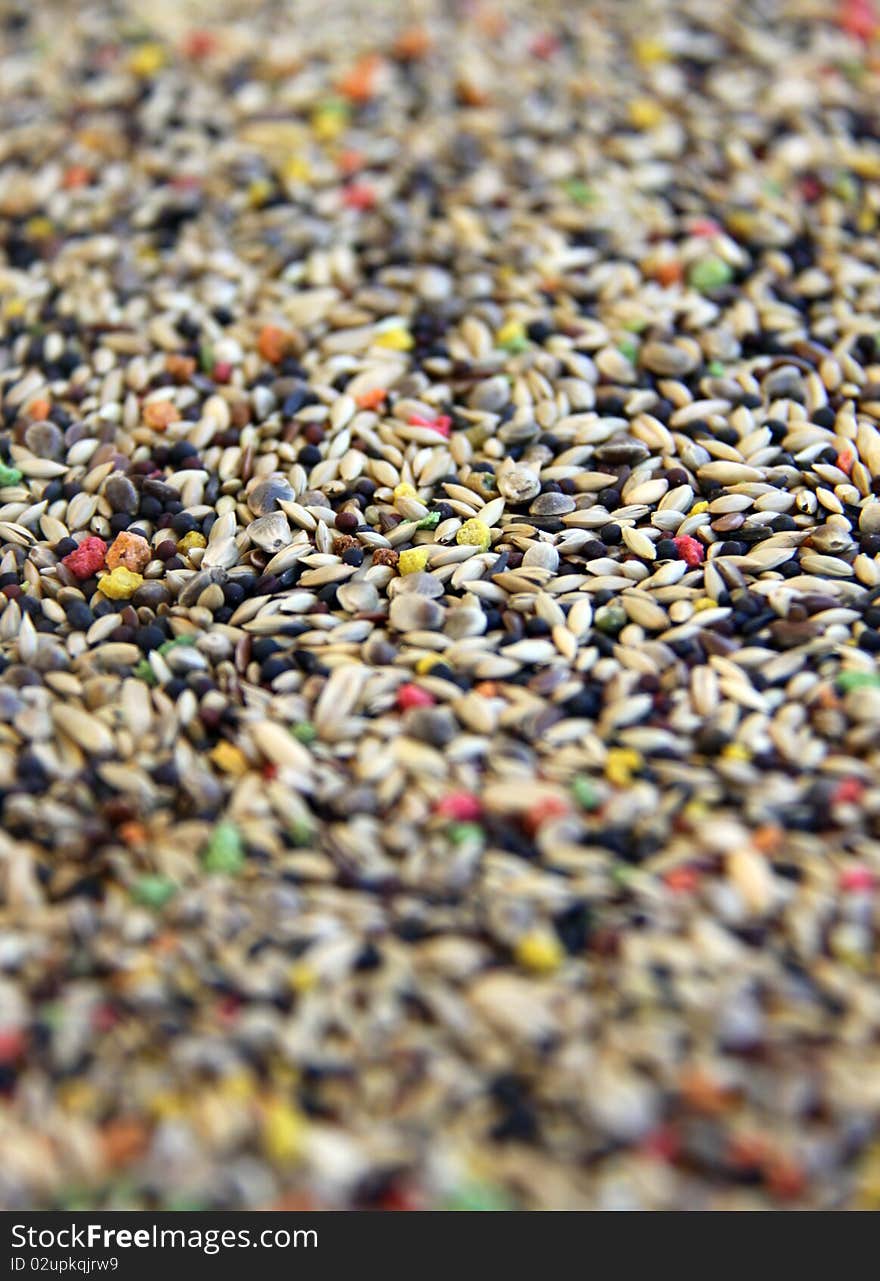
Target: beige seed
91,734
580,618
704,690
638,543
641,609
728,473
279,746
751,875
648,492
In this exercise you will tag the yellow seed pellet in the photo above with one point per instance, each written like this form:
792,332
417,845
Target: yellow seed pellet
39,228
649,51
474,533
296,169
328,124
302,977
413,560
512,332
237,1086
191,540
167,1104
539,951
645,113
395,340
283,1133
259,192
620,765
229,758
147,60
120,584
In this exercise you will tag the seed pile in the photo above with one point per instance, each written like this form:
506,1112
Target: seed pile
440,581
